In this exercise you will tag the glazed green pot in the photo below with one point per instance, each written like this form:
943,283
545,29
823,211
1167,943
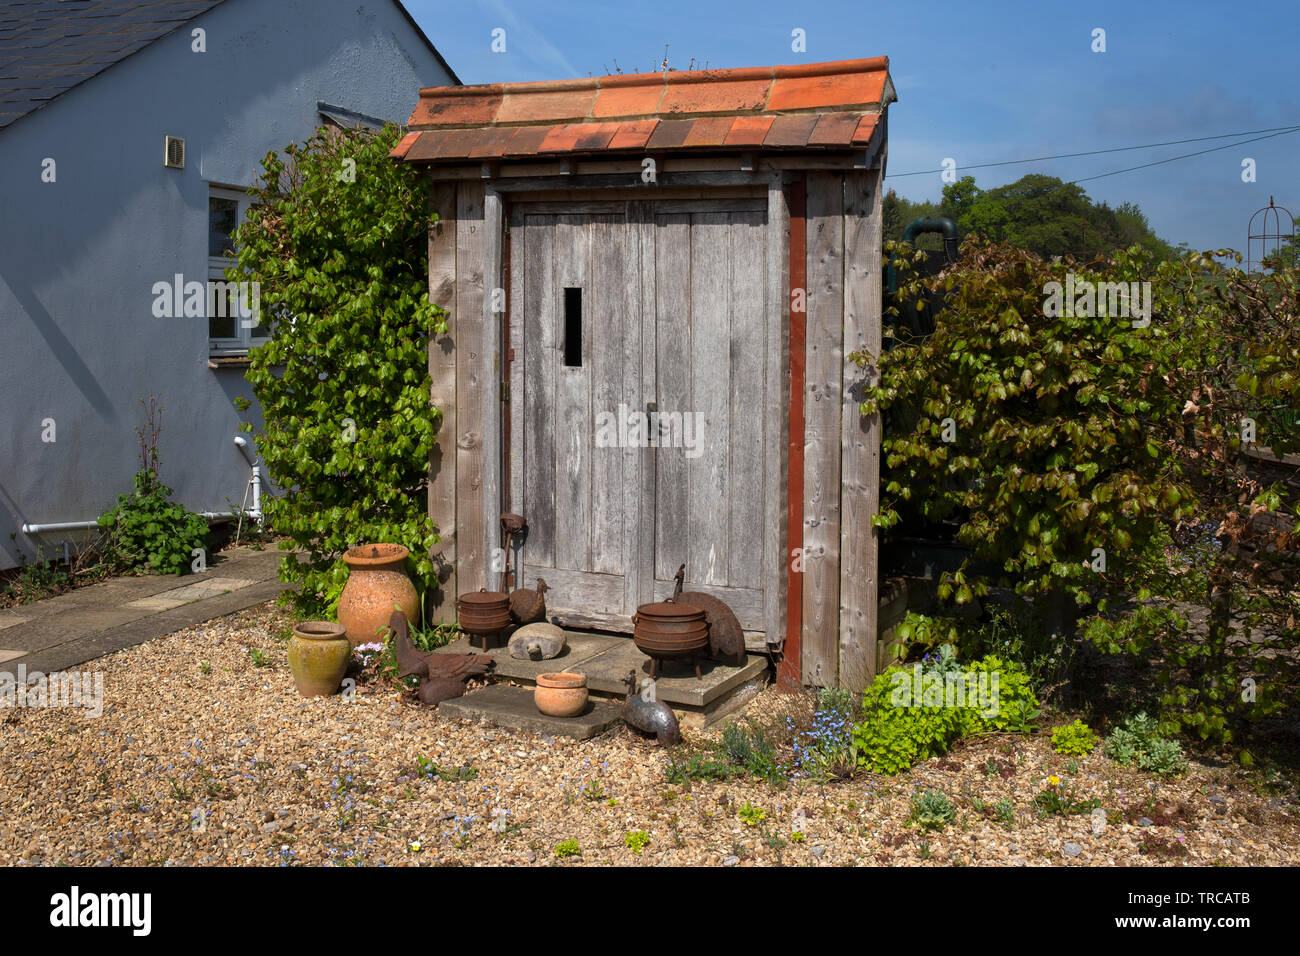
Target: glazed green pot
318,656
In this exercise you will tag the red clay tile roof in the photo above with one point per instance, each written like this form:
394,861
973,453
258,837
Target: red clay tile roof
820,106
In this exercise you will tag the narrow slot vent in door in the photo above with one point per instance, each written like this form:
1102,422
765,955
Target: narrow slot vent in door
573,328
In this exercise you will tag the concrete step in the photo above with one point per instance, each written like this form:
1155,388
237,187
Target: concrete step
509,706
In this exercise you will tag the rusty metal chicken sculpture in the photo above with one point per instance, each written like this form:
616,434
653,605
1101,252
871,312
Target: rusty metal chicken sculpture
442,676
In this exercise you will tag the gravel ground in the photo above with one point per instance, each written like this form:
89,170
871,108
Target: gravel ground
202,757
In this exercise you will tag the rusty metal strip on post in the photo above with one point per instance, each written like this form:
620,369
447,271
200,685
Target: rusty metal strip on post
789,670
507,359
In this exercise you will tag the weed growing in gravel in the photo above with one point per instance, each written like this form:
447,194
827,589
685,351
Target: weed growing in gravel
742,750
1074,740
931,810
205,668
636,841
593,792
426,768
1061,799
1004,812
567,848
259,657
750,815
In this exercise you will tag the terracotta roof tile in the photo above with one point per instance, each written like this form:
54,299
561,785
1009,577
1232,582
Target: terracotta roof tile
633,135
791,132
710,131
827,90
670,133
749,130
823,106
720,96
627,98
457,106
835,129
527,140
492,144
528,107
866,129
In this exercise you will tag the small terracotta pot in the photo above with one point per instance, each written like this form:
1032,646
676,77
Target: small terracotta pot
377,584
319,652
561,695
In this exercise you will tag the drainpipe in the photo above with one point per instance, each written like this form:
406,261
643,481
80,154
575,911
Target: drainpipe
256,480
255,513
940,224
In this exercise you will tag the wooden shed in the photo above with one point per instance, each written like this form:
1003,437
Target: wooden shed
703,247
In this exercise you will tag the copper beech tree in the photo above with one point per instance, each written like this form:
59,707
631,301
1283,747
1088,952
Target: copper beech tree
1064,439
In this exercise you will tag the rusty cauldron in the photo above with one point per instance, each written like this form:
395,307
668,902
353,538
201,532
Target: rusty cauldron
483,614
670,630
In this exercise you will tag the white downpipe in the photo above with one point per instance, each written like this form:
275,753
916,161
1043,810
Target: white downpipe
59,526
256,513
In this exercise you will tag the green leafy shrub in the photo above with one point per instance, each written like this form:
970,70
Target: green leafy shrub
931,811
147,531
343,382
567,848
897,731
636,841
751,815
1047,453
1138,743
1075,740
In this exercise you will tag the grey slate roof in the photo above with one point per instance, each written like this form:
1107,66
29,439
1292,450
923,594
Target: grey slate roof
49,46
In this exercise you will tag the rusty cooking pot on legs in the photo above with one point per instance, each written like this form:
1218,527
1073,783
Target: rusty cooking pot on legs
483,614
669,630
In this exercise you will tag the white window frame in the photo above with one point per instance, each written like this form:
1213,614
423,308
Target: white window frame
243,340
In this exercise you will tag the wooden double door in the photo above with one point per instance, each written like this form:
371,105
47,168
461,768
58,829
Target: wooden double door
639,335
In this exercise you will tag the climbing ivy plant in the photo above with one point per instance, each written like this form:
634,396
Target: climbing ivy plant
338,237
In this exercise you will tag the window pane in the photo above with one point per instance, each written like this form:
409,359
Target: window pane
222,328
223,217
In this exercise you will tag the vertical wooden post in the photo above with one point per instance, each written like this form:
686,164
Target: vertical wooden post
821,470
471,389
776,426
492,410
789,672
860,446
441,605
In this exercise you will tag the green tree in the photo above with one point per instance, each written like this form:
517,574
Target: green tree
1047,436
337,237
1029,427
1038,213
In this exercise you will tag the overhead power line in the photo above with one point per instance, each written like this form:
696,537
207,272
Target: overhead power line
1199,152
1271,131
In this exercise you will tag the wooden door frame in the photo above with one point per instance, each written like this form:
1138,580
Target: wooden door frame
496,203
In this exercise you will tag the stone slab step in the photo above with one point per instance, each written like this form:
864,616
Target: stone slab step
606,659
512,707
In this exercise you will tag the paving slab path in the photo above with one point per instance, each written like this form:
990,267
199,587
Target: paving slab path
81,625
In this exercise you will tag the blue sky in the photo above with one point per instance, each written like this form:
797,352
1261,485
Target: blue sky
977,81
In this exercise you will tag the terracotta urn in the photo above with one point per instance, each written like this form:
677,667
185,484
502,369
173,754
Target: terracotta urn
377,583
319,652
561,695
